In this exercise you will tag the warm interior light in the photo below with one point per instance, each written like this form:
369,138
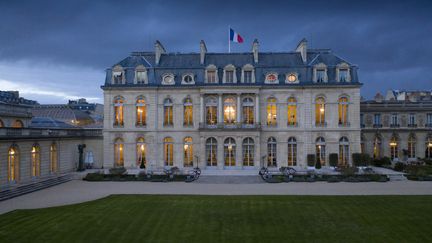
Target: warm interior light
322,109
186,146
393,144
142,147
230,147
12,152
430,145
33,149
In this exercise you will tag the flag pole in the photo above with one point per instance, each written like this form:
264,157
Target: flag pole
229,39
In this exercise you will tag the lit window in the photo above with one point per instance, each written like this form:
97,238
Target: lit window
35,160
343,151
141,112
118,111
411,147
377,148
141,153
320,149
292,111
229,152
343,111
271,78
428,152
211,77
168,112
248,111
13,164
320,112
53,158
394,154
248,152
188,112
271,152
118,153
291,78
188,152
211,111
271,112
229,111
168,151
17,124
292,151
211,152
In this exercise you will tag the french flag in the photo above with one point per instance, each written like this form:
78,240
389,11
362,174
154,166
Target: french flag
235,37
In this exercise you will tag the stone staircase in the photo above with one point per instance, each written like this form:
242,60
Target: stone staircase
229,179
18,190
397,177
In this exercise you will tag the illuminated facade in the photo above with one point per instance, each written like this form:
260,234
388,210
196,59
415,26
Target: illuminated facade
230,110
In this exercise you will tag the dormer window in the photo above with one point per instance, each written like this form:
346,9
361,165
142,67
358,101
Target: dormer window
168,79
271,78
248,74
229,76
342,73
211,75
320,73
140,75
188,79
117,77
291,78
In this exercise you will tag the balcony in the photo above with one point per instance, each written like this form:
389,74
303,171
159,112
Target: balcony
412,125
394,125
321,124
292,124
24,133
235,126
377,125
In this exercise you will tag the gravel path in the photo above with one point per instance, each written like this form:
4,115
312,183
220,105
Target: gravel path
77,191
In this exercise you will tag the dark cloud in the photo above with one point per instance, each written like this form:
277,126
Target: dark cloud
389,40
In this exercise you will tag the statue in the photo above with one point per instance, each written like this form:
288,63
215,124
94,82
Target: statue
81,148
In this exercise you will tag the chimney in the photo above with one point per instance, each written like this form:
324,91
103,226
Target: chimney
159,50
255,46
302,48
203,51
378,98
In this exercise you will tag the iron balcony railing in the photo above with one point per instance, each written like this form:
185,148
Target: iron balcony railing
8,133
230,126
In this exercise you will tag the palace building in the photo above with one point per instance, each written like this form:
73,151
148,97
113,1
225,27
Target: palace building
230,110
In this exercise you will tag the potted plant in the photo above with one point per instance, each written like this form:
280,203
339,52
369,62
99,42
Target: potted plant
318,164
311,161
333,160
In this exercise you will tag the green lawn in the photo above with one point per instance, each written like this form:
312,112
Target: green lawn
140,218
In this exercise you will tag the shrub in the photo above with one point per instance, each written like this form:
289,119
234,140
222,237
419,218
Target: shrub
427,161
94,177
311,160
399,166
333,179
357,159
318,164
366,159
117,171
333,159
348,171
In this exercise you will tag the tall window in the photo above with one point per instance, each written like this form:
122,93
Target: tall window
211,111
320,75
271,152
377,120
411,147
17,124
362,124
248,111
35,160
343,151
141,152
247,76
1,123
394,120
140,75
141,112
429,119
271,112
292,151
211,152
13,164
428,152
211,76
377,147
117,77
412,119
320,148
248,152
343,75
292,111
118,111
394,148
188,112
229,151
229,111
188,152
168,151
320,111
53,158
118,153
343,111
168,112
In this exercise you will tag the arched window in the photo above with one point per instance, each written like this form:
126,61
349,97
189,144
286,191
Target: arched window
1,123
377,147
292,151
141,112
118,111
211,111
343,151
168,151
411,146
141,152
53,158
188,152
168,112
211,151
394,150
320,112
248,74
343,111
211,74
428,152
271,78
248,111
13,164
229,152
17,124
271,152
118,153
168,79
320,149
188,112
35,160
248,152
342,73
229,111
271,112
229,75
292,111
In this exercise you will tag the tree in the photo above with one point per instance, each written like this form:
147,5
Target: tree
333,159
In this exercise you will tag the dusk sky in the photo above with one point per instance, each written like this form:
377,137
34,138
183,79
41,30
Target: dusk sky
52,51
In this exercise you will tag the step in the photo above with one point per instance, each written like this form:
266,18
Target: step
397,177
229,179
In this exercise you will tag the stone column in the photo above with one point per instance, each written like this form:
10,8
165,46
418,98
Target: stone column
220,109
220,152
257,109
239,154
238,110
201,108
